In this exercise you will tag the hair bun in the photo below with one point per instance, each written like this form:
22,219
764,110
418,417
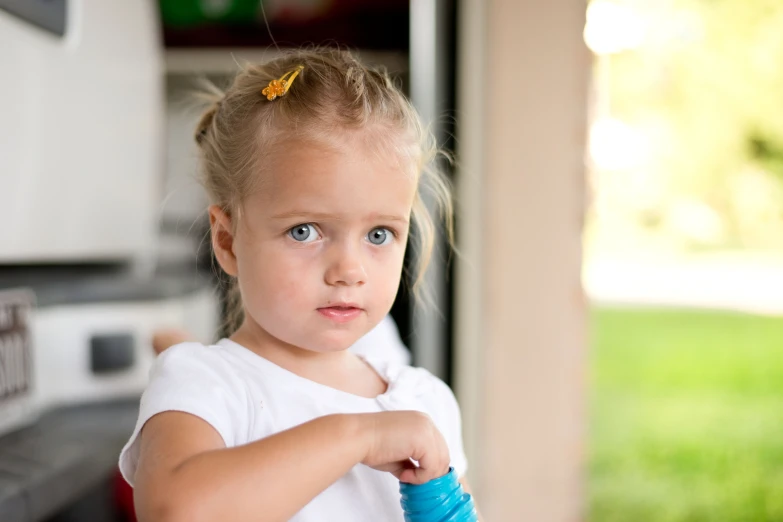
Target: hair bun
205,122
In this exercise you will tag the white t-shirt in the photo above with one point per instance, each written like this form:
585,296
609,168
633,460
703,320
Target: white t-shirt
246,398
383,342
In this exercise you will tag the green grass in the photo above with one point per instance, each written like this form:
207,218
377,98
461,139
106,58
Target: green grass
686,417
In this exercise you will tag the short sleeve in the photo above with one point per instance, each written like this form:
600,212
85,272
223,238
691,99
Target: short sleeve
451,420
442,406
195,379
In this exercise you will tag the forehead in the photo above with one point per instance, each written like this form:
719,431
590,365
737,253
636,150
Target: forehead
343,176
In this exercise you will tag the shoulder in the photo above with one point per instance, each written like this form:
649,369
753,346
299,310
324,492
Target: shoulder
421,382
186,361
190,352
430,393
192,377
439,396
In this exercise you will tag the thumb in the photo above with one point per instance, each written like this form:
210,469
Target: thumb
414,476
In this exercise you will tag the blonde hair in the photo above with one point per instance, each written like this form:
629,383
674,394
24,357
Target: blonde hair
333,92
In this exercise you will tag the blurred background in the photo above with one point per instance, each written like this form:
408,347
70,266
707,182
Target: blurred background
611,325
683,260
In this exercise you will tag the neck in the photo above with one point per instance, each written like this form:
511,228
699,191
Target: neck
340,370
301,361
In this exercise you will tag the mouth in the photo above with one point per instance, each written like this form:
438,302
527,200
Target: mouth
341,313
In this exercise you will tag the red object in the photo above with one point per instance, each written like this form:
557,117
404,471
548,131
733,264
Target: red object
123,498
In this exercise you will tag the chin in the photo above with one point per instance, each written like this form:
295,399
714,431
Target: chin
335,341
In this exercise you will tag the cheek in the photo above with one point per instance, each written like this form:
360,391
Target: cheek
387,269
275,276
289,289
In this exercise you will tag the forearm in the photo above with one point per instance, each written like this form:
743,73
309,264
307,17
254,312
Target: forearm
274,477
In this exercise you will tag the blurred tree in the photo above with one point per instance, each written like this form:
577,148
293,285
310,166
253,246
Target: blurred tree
706,88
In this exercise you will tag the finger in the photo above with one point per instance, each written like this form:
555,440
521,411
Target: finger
420,475
411,476
398,468
445,460
444,457
428,469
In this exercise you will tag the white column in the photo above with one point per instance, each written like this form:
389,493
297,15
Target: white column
520,329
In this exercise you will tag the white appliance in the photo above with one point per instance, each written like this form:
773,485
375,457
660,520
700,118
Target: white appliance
99,350
81,140
82,164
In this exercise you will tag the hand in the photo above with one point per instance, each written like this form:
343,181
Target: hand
397,438
164,338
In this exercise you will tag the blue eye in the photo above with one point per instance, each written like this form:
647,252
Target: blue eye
305,233
380,236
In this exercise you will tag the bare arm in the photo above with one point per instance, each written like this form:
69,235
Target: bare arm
185,473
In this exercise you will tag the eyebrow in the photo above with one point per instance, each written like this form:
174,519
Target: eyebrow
325,215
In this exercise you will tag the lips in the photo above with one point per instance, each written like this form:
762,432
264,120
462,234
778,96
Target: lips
341,313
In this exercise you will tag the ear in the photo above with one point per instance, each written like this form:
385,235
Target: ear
222,239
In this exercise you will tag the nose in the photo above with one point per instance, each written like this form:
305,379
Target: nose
346,267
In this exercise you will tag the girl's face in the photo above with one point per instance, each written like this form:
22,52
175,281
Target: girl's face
319,248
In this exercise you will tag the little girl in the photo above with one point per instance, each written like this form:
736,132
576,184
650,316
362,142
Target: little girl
314,165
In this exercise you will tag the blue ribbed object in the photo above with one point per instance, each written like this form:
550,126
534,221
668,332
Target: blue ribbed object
439,500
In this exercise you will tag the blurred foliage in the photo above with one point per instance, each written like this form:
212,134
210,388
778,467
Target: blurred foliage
686,416
706,90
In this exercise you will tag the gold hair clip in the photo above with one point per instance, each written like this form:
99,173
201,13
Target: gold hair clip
280,87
